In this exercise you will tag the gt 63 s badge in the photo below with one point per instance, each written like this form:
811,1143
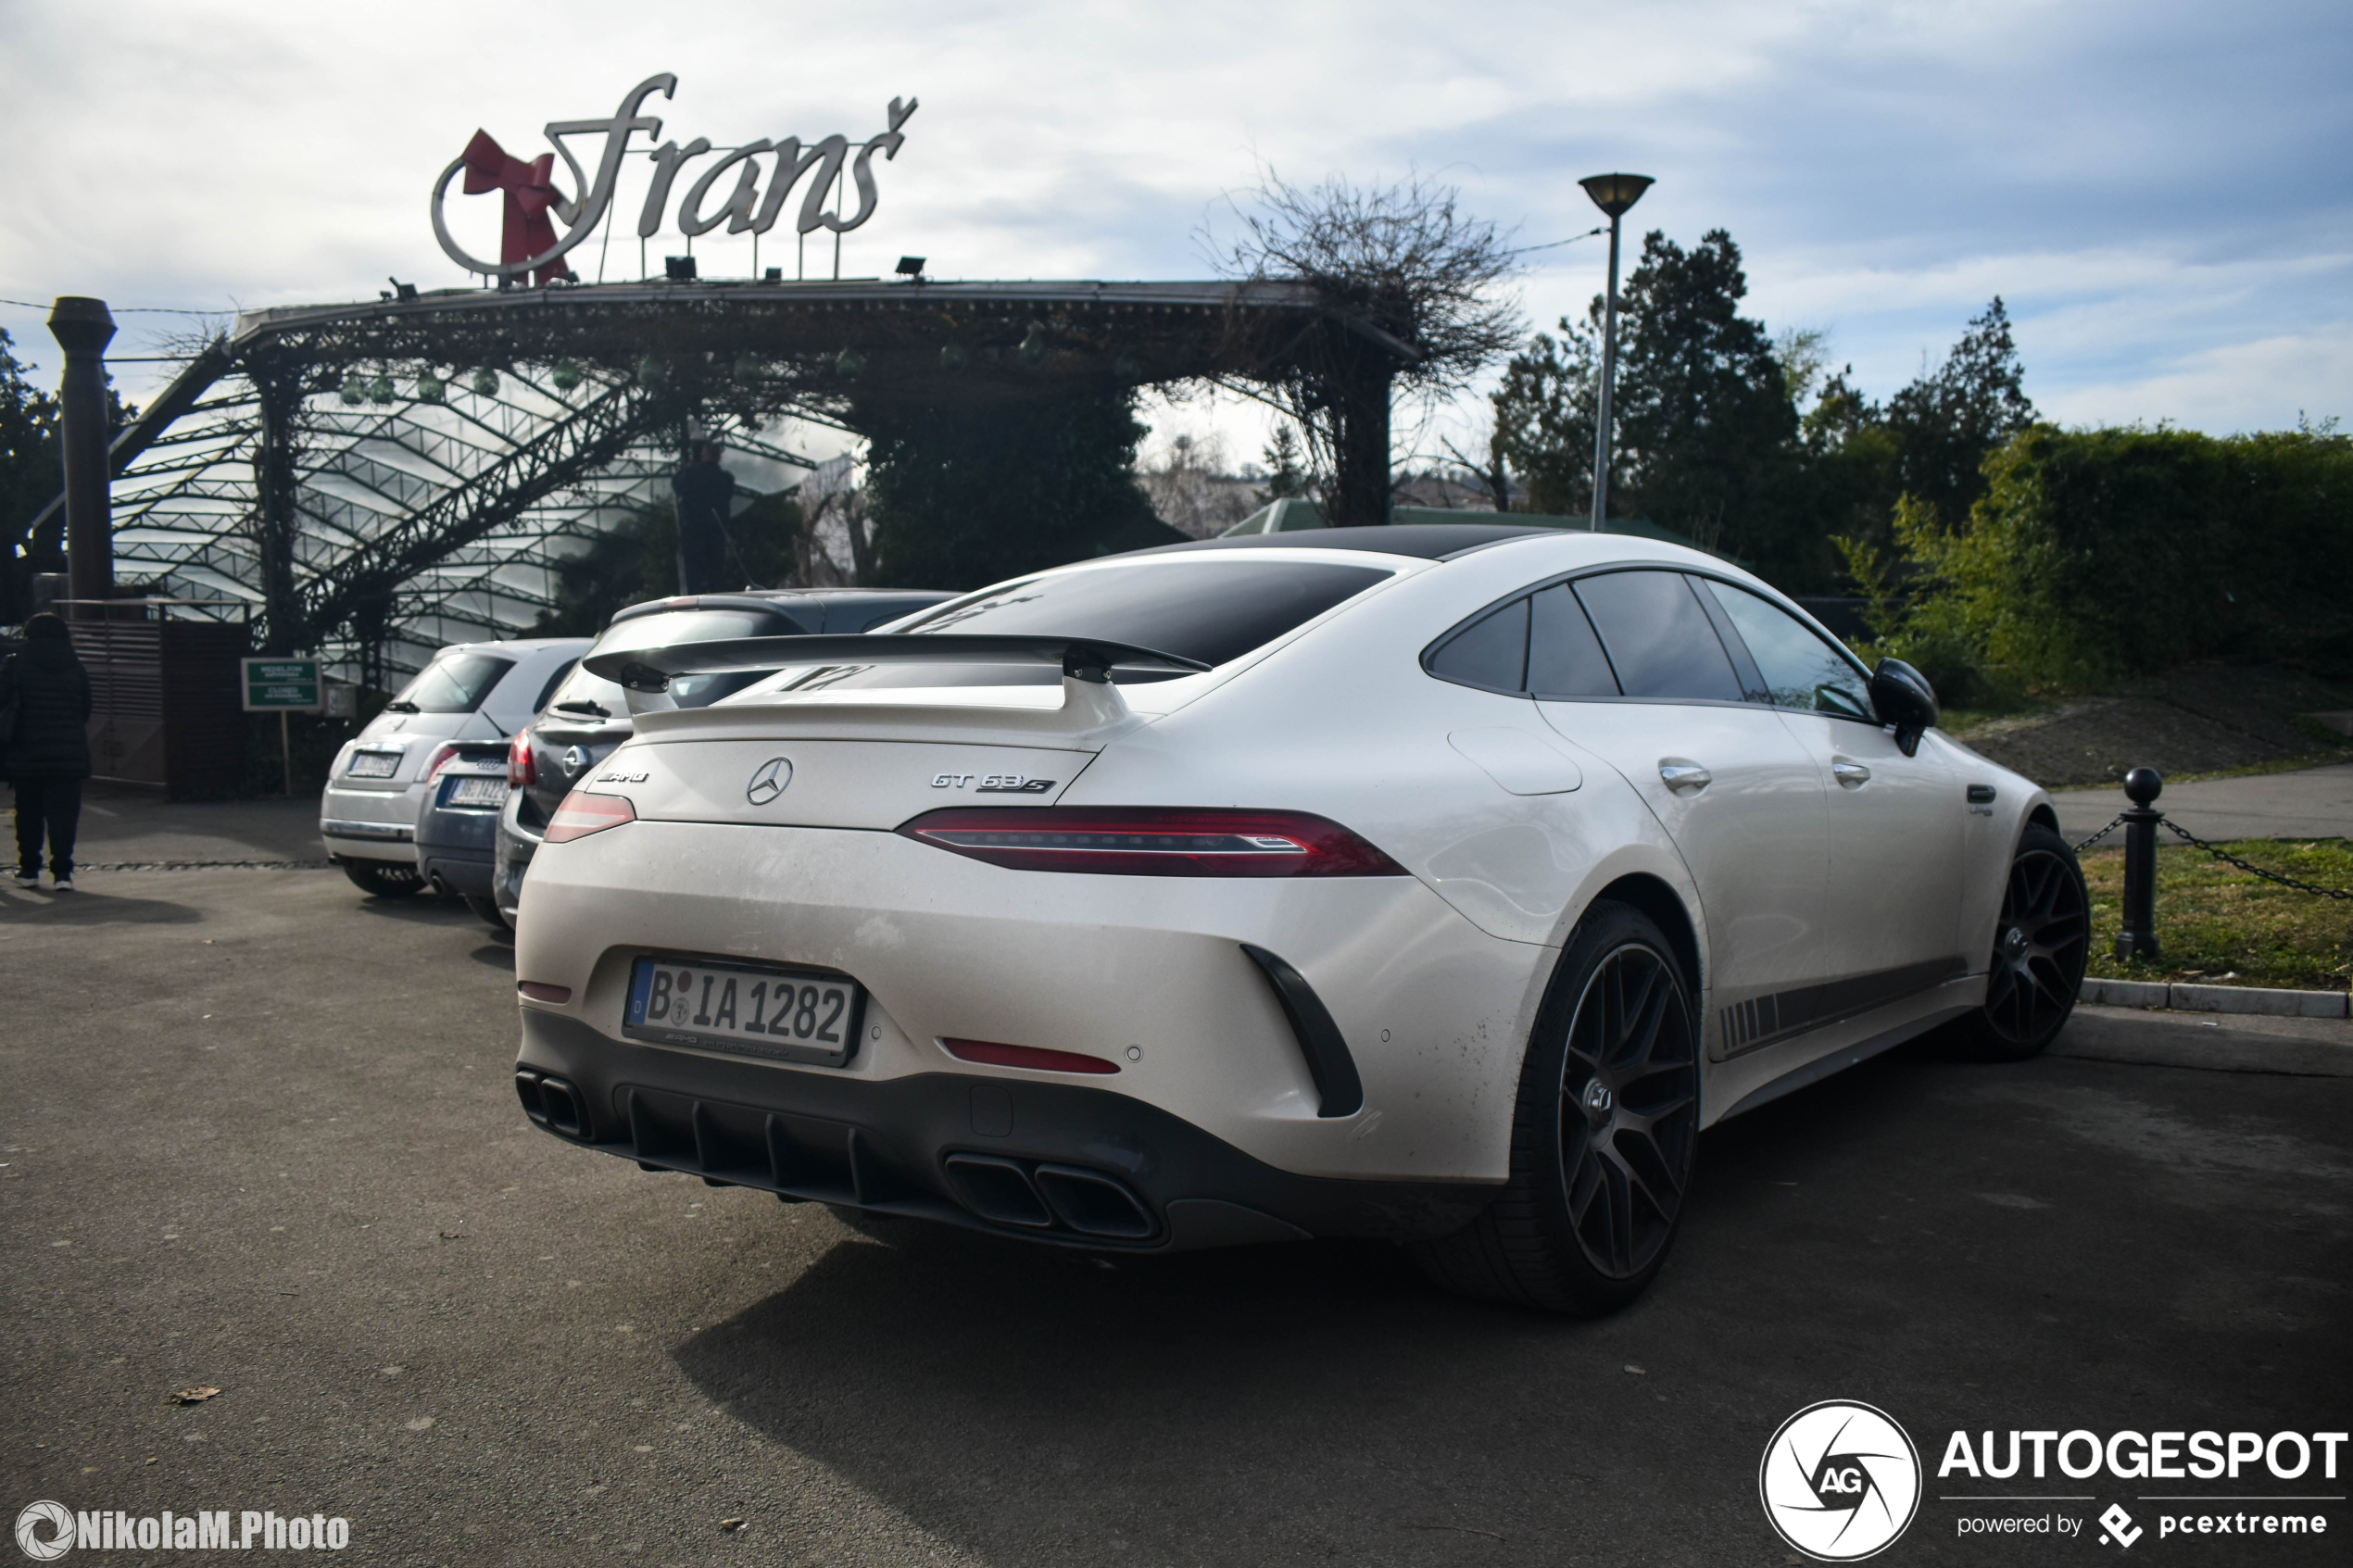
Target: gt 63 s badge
992,783
1840,1481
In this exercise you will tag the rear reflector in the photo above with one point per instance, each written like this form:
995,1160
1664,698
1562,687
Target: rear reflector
540,991
582,813
995,1055
1153,841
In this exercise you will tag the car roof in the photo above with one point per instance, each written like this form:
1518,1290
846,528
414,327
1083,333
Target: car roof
1431,541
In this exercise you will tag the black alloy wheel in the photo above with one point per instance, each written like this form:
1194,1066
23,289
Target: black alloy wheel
1628,1110
1605,1135
2040,943
384,879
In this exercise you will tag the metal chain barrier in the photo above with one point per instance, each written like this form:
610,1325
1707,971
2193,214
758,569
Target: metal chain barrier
2098,836
2228,859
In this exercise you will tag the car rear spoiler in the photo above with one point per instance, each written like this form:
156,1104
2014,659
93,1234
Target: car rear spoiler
1086,662
1081,659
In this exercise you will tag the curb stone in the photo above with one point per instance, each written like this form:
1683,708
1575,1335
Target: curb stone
2274,1003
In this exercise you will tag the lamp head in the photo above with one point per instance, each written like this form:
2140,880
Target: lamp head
1615,193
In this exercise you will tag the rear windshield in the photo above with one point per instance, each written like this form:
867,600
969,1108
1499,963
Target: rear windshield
455,682
1214,611
587,696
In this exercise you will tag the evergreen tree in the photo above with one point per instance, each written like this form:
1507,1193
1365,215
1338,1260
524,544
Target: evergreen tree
30,477
1286,467
1949,422
1545,418
1702,409
963,498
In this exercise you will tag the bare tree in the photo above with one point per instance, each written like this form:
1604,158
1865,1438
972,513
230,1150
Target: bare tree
1414,296
1189,487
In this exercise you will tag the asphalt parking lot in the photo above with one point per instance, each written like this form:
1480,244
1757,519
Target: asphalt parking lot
258,1134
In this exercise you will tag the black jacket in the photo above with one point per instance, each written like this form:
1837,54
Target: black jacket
52,693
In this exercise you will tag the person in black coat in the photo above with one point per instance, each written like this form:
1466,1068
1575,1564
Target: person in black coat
48,751
705,492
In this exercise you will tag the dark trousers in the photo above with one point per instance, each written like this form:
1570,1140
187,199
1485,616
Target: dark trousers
50,805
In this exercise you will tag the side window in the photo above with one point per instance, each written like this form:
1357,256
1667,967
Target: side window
1490,653
1564,657
1660,641
1799,667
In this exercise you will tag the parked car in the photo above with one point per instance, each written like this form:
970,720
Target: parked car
584,718
1437,883
457,827
378,781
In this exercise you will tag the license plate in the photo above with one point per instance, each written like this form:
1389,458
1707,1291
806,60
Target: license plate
373,765
479,789
781,1014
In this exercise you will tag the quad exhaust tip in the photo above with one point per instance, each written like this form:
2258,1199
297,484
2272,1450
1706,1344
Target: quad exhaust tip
553,1103
1040,1197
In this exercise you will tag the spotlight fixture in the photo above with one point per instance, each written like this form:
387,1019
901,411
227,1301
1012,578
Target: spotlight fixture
678,268
912,268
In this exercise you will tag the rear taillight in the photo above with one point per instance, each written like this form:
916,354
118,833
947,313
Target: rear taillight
1153,841
441,756
582,814
521,768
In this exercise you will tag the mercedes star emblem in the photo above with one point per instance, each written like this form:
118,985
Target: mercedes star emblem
769,781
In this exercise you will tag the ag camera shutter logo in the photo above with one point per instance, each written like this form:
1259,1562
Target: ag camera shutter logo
1840,1481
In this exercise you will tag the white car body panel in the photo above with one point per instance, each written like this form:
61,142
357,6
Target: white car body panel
1510,816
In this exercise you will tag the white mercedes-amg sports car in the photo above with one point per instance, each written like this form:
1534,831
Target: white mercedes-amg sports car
1431,883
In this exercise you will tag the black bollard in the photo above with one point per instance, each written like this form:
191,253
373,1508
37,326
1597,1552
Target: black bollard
2142,786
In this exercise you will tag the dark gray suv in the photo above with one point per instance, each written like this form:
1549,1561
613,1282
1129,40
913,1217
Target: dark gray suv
587,716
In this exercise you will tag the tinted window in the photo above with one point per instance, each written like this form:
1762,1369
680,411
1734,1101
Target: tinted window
455,682
1799,667
1491,652
1210,610
587,696
554,681
1659,638
1564,657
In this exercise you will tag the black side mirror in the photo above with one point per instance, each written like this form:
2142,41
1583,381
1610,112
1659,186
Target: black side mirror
1902,696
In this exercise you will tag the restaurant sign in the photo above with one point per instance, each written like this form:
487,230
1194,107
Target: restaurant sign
765,176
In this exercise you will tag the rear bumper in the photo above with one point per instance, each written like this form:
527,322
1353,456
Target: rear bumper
369,824
459,871
1058,1164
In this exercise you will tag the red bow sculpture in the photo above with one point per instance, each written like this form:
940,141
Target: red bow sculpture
529,196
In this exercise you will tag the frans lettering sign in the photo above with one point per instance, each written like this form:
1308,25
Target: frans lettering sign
765,175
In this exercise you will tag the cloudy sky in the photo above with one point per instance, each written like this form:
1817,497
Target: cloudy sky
2157,188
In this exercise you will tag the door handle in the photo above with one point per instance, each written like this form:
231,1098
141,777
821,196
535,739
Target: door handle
1850,776
1682,776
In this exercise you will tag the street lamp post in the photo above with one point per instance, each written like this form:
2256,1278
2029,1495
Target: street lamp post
1613,194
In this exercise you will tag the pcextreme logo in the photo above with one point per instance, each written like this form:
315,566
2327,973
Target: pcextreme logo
1840,1481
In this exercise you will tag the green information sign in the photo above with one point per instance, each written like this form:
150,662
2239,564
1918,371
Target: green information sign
281,685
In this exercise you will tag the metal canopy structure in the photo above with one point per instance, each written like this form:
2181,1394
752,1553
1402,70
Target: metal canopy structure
379,480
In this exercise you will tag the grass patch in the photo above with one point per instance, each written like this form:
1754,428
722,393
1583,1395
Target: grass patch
2217,925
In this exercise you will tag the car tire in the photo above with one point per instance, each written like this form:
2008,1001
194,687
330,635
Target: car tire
1603,1137
384,879
2041,944
483,904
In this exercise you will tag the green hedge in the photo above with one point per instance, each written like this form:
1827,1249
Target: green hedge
2107,553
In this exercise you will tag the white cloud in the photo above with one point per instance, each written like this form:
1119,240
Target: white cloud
2145,184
